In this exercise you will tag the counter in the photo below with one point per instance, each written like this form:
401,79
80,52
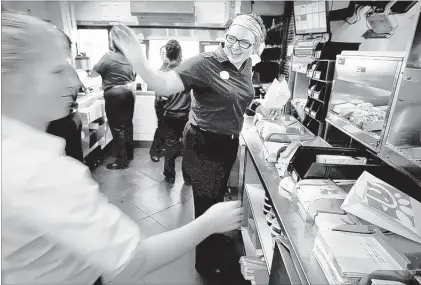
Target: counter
297,264
95,130
300,239
86,100
144,117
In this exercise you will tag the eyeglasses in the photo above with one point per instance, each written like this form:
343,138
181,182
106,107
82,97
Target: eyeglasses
244,44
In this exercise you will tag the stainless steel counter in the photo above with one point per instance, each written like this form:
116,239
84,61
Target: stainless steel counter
86,100
300,239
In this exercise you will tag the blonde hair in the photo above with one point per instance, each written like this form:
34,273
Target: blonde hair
19,34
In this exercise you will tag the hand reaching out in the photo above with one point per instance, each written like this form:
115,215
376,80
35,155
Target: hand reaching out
224,216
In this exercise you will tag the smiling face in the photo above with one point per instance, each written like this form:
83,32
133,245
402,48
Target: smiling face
236,52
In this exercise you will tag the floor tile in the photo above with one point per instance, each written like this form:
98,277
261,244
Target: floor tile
130,209
179,272
175,216
157,207
115,190
156,198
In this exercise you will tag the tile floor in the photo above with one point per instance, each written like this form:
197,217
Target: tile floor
156,206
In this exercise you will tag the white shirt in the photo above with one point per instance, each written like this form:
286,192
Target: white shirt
57,228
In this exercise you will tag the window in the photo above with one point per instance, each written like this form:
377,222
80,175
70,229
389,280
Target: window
209,46
93,42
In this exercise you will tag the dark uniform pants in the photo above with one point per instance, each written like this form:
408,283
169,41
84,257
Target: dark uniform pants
208,159
159,137
70,129
119,107
98,281
174,124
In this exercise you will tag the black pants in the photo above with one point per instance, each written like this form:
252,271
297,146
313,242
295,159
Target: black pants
174,124
208,160
158,142
119,107
70,129
98,281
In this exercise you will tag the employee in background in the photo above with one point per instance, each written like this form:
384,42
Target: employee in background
57,228
70,126
176,115
118,83
158,142
222,90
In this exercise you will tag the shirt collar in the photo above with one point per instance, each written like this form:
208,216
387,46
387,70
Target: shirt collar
16,130
220,55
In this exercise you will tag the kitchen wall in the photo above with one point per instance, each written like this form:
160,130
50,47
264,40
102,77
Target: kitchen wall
103,11
46,10
343,32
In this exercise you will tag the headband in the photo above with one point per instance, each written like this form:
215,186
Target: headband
251,24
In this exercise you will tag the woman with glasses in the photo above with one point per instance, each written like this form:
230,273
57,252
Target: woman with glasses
222,90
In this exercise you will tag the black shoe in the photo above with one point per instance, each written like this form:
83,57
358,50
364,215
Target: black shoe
115,166
155,158
208,272
170,180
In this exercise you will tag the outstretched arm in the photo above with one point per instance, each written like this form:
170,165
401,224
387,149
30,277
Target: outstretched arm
162,249
163,83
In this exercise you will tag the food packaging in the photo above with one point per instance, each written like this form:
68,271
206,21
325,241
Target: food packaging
313,196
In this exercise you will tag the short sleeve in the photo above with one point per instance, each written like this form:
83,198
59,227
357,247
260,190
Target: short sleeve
101,65
192,72
64,202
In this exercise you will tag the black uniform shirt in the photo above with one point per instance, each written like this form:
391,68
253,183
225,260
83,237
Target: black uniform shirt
115,70
219,100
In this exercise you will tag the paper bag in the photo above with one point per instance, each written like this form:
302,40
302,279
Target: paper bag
379,203
277,95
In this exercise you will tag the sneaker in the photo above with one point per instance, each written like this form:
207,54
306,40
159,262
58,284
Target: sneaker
155,158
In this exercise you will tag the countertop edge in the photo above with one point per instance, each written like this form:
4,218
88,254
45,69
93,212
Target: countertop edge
300,238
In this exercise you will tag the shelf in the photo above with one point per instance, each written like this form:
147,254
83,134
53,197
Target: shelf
314,118
318,100
272,60
248,245
370,140
319,80
256,197
274,46
327,60
393,155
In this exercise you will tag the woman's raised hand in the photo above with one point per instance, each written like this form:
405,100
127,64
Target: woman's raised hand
126,41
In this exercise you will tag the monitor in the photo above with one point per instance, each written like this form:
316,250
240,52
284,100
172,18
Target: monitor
310,17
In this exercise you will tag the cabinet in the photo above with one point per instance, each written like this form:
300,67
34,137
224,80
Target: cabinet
95,129
144,117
